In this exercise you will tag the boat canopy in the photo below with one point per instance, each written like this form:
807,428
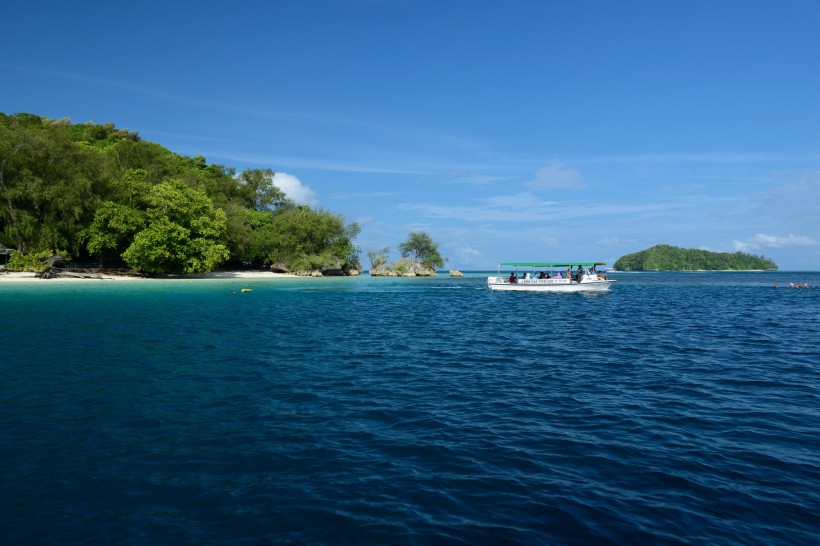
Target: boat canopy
550,264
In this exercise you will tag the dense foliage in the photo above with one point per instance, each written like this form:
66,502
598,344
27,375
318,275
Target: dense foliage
105,195
672,258
34,261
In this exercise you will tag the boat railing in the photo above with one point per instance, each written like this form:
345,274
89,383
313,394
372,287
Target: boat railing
552,280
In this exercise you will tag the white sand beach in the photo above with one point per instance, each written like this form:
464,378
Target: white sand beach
14,276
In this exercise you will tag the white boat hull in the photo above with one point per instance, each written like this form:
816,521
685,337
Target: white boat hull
587,284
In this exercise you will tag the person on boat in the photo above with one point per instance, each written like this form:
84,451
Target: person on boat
512,278
580,273
558,275
569,273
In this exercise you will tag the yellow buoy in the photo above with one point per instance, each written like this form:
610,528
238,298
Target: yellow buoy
246,289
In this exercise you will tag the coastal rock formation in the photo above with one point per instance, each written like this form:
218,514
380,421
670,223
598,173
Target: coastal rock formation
456,273
336,270
405,267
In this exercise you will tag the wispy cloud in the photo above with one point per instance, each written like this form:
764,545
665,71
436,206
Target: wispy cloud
527,207
616,242
556,176
761,241
367,195
477,179
309,163
698,157
183,136
186,100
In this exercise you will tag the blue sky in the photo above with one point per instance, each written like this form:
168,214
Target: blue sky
527,130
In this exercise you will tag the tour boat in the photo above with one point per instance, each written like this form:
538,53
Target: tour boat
552,277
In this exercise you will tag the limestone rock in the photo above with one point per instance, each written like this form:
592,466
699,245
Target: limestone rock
334,270
405,267
456,273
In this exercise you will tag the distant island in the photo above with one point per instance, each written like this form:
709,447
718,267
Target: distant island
672,258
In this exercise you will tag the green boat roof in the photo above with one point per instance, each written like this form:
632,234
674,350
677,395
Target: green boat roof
551,264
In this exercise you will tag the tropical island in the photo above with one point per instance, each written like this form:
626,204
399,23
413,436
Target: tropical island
97,195
420,258
672,258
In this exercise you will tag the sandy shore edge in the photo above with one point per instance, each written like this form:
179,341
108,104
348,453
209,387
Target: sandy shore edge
14,276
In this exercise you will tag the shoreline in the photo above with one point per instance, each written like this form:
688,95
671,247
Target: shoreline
17,276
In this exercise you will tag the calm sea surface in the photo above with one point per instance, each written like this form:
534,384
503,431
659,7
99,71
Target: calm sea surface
676,409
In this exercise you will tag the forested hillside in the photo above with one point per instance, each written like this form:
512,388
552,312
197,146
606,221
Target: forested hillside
104,195
672,258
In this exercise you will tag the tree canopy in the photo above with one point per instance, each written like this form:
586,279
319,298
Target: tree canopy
103,194
672,258
420,247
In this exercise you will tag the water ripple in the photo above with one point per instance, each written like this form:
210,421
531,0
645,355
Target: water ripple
677,409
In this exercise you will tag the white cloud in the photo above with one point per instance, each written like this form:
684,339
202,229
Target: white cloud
772,241
556,176
294,189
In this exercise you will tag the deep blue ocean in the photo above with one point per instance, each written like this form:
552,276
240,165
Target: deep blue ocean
679,408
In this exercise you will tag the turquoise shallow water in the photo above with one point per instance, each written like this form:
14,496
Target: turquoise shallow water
676,409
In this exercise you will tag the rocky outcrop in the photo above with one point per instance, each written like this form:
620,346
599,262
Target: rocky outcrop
456,273
336,270
405,267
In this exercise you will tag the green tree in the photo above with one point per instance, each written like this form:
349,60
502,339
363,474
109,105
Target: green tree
113,230
302,238
420,247
33,261
47,184
259,191
378,257
184,232
118,220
